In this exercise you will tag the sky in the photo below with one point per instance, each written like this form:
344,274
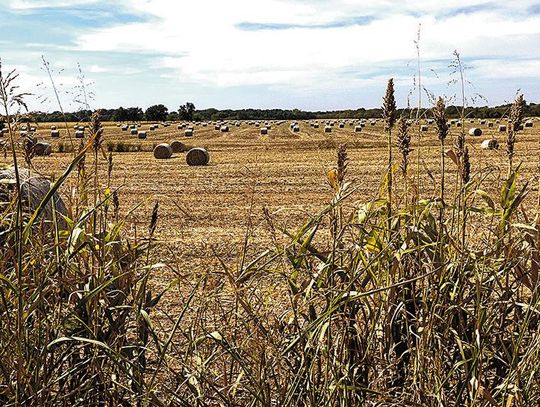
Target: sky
305,54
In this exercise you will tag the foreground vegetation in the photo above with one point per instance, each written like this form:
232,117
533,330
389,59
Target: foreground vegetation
408,298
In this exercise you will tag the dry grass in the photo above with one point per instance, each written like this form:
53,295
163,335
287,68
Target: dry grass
280,289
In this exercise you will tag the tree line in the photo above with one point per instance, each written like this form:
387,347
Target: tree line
188,111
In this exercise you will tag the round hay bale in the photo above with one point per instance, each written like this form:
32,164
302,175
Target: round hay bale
134,131
490,144
42,149
124,127
197,156
53,127
358,129
163,151
502,128
217,127
296,129
224,129
482,121
80,128
475,131
55,133
264,131
188,133
142,135
424,128
327,129
490,124
341,125
33,190
79,134
178,147
458,124
315,125
528,123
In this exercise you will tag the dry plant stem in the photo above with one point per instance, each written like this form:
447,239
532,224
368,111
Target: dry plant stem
18,238
48,69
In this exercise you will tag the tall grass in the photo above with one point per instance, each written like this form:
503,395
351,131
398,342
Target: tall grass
381,302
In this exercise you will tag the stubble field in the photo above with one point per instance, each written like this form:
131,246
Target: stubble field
209,211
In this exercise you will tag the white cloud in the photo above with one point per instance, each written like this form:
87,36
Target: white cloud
36,4
202,43
207,46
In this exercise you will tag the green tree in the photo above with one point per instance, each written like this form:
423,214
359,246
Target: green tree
186,111
156,113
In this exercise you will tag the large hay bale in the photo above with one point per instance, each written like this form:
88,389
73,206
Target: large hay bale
475,131
529,123
188,133
55,133
197,156
483,121
79,134
178,147
224,129
341,125
327,129
424,128
296,129
142,135
490,144
42,149
264,131
490,124
315,125
134,131
502,128
53,127
33,190
357,129
125,127
163,151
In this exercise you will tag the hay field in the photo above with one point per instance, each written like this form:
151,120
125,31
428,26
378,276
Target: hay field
208,210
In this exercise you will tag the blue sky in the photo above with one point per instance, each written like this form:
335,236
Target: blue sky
306,54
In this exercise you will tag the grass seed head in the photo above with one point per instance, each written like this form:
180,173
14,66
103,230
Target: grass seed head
439,113
389,106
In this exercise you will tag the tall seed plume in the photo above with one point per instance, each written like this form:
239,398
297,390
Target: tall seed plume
439,114
389,106
514,122
153,220
466,166
97,130
341,163
404,143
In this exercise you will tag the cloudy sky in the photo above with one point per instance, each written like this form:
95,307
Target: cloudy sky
306,54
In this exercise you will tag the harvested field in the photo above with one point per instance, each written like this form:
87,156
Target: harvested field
285,171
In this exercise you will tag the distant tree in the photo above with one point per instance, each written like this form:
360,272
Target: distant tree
156,113
119,115
134,114
186,111
173,116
